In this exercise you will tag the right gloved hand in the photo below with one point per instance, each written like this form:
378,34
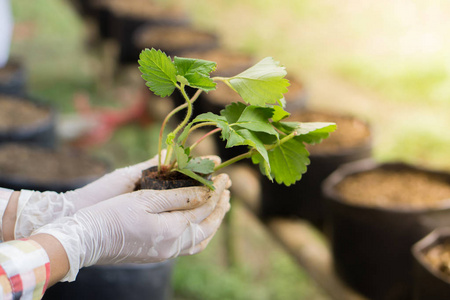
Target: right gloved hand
142,227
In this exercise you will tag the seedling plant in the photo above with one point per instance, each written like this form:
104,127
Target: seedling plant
277,146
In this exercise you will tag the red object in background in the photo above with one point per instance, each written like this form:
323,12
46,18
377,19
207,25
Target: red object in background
108,120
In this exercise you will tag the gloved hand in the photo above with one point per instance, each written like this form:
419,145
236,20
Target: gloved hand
36,209
142,227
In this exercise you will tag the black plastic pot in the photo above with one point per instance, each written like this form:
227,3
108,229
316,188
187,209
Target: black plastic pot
13,78
429,283
41,133
371,246
304,199
119,282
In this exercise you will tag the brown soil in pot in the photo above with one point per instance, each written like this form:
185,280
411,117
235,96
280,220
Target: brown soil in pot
438,257
173,38
396,189
46,166
15,113
144,9
350,132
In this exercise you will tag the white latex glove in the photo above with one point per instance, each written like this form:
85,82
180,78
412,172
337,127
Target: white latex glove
36,209
145,226
6,30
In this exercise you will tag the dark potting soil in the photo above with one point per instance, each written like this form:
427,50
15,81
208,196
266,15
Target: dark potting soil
395,188
172,37
15,113
350,132
151,179
438,257
7,72
45,165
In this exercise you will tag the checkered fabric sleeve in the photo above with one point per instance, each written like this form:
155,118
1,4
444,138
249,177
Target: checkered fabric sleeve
24,270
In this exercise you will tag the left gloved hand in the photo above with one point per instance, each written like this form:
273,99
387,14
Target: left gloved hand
36,209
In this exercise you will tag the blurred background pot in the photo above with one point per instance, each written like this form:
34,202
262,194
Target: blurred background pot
376,213
23,119
174,40
13,78
432,266
127,17
351,141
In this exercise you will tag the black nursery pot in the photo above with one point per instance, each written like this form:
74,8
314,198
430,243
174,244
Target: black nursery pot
304,199
429,282
13,78
371,245
119,282
20,109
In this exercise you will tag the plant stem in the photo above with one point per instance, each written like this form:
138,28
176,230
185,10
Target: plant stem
161,132
282,141
186,118
196,95
250,153
224,80
204,137
234,159
196,127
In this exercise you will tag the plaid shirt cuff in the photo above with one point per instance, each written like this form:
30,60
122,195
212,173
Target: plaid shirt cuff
24,270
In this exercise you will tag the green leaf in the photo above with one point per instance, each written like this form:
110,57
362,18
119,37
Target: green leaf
314,132
263,83
279,113
246,137
159,72
181,157
288,162
220,120
197,177
196,72
256,118
264,166
201,165
233,111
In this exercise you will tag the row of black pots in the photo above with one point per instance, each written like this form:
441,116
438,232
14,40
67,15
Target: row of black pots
371,246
